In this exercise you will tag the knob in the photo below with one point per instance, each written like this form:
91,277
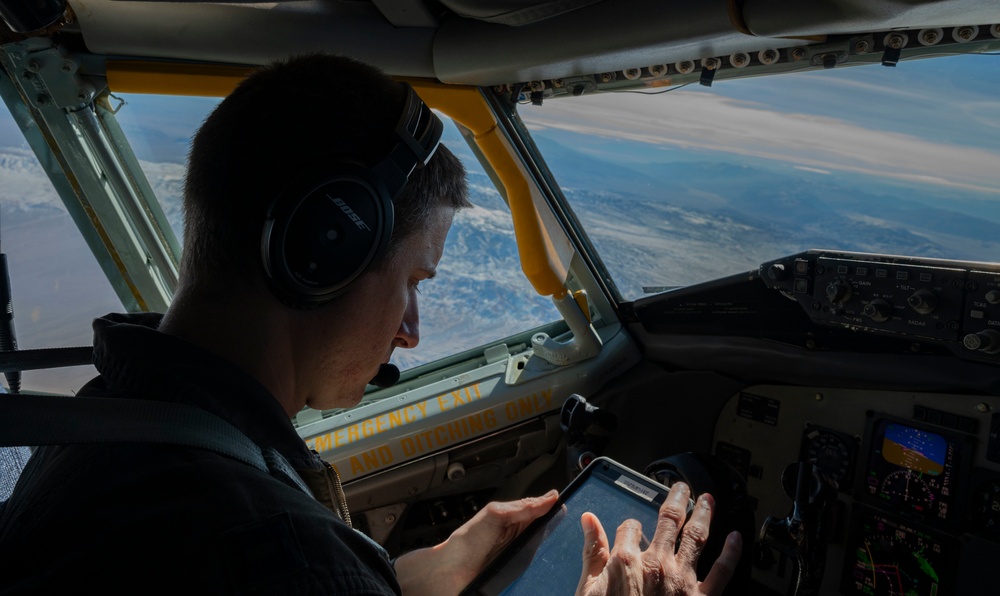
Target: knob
776,272
877,310
987,340
456,471
923,301
993,296
839,291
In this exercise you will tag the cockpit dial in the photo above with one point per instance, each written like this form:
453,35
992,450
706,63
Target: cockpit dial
907,486
832,452
915,471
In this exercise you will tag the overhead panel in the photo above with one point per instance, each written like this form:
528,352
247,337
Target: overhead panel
602,37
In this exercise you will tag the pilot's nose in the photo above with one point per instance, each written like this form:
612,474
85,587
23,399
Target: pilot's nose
408,335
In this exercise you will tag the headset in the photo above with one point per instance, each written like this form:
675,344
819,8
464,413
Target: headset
326,227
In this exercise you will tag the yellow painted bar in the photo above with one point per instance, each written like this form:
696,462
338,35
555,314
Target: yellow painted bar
169,78
466,105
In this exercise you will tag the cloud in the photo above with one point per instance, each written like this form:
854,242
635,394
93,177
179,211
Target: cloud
702,121
813,170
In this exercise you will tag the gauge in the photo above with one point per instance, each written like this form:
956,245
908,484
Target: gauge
830,451
906,486
916,470
888,557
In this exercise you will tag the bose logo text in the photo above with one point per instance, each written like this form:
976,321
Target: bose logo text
351,214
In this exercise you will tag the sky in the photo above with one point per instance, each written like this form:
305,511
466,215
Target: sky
933,122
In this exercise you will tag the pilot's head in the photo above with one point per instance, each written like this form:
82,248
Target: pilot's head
290,120
297,188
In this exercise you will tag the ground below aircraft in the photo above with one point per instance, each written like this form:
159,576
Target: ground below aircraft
784,263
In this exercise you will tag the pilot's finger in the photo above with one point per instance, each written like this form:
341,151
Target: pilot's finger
724,567
625,561
695,532
673,512
522,511
595,547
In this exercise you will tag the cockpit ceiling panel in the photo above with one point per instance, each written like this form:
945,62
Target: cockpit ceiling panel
592,38
514,12
253,33
603,37
780,18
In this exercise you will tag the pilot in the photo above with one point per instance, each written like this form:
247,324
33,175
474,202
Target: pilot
317,199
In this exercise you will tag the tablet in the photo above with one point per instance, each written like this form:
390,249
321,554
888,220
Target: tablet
547,557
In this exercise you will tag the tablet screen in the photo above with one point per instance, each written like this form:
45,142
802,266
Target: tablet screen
551,561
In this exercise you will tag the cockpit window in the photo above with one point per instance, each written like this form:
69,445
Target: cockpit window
479,294
678,186
57,286
478,297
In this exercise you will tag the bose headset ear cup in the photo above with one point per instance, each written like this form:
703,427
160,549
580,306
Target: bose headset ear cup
325,228
323,232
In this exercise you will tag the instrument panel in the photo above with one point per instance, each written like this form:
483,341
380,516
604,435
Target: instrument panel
915,482
952,303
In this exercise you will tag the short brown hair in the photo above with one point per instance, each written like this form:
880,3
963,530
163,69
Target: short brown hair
285,118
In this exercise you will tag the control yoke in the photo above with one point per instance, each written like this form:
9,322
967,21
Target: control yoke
804,534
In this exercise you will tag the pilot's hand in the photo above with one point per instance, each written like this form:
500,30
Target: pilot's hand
664,567
448,567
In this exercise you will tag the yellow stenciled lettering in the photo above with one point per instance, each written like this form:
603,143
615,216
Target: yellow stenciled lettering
443,402
356,467
426,436
385,455
373,459
455,431
323,443
422,406
352,433
490,418
440,435
338,437
510,409
528,405
395,419
367,429
476,423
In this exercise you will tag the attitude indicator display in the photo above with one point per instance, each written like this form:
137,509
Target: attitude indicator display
914,471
